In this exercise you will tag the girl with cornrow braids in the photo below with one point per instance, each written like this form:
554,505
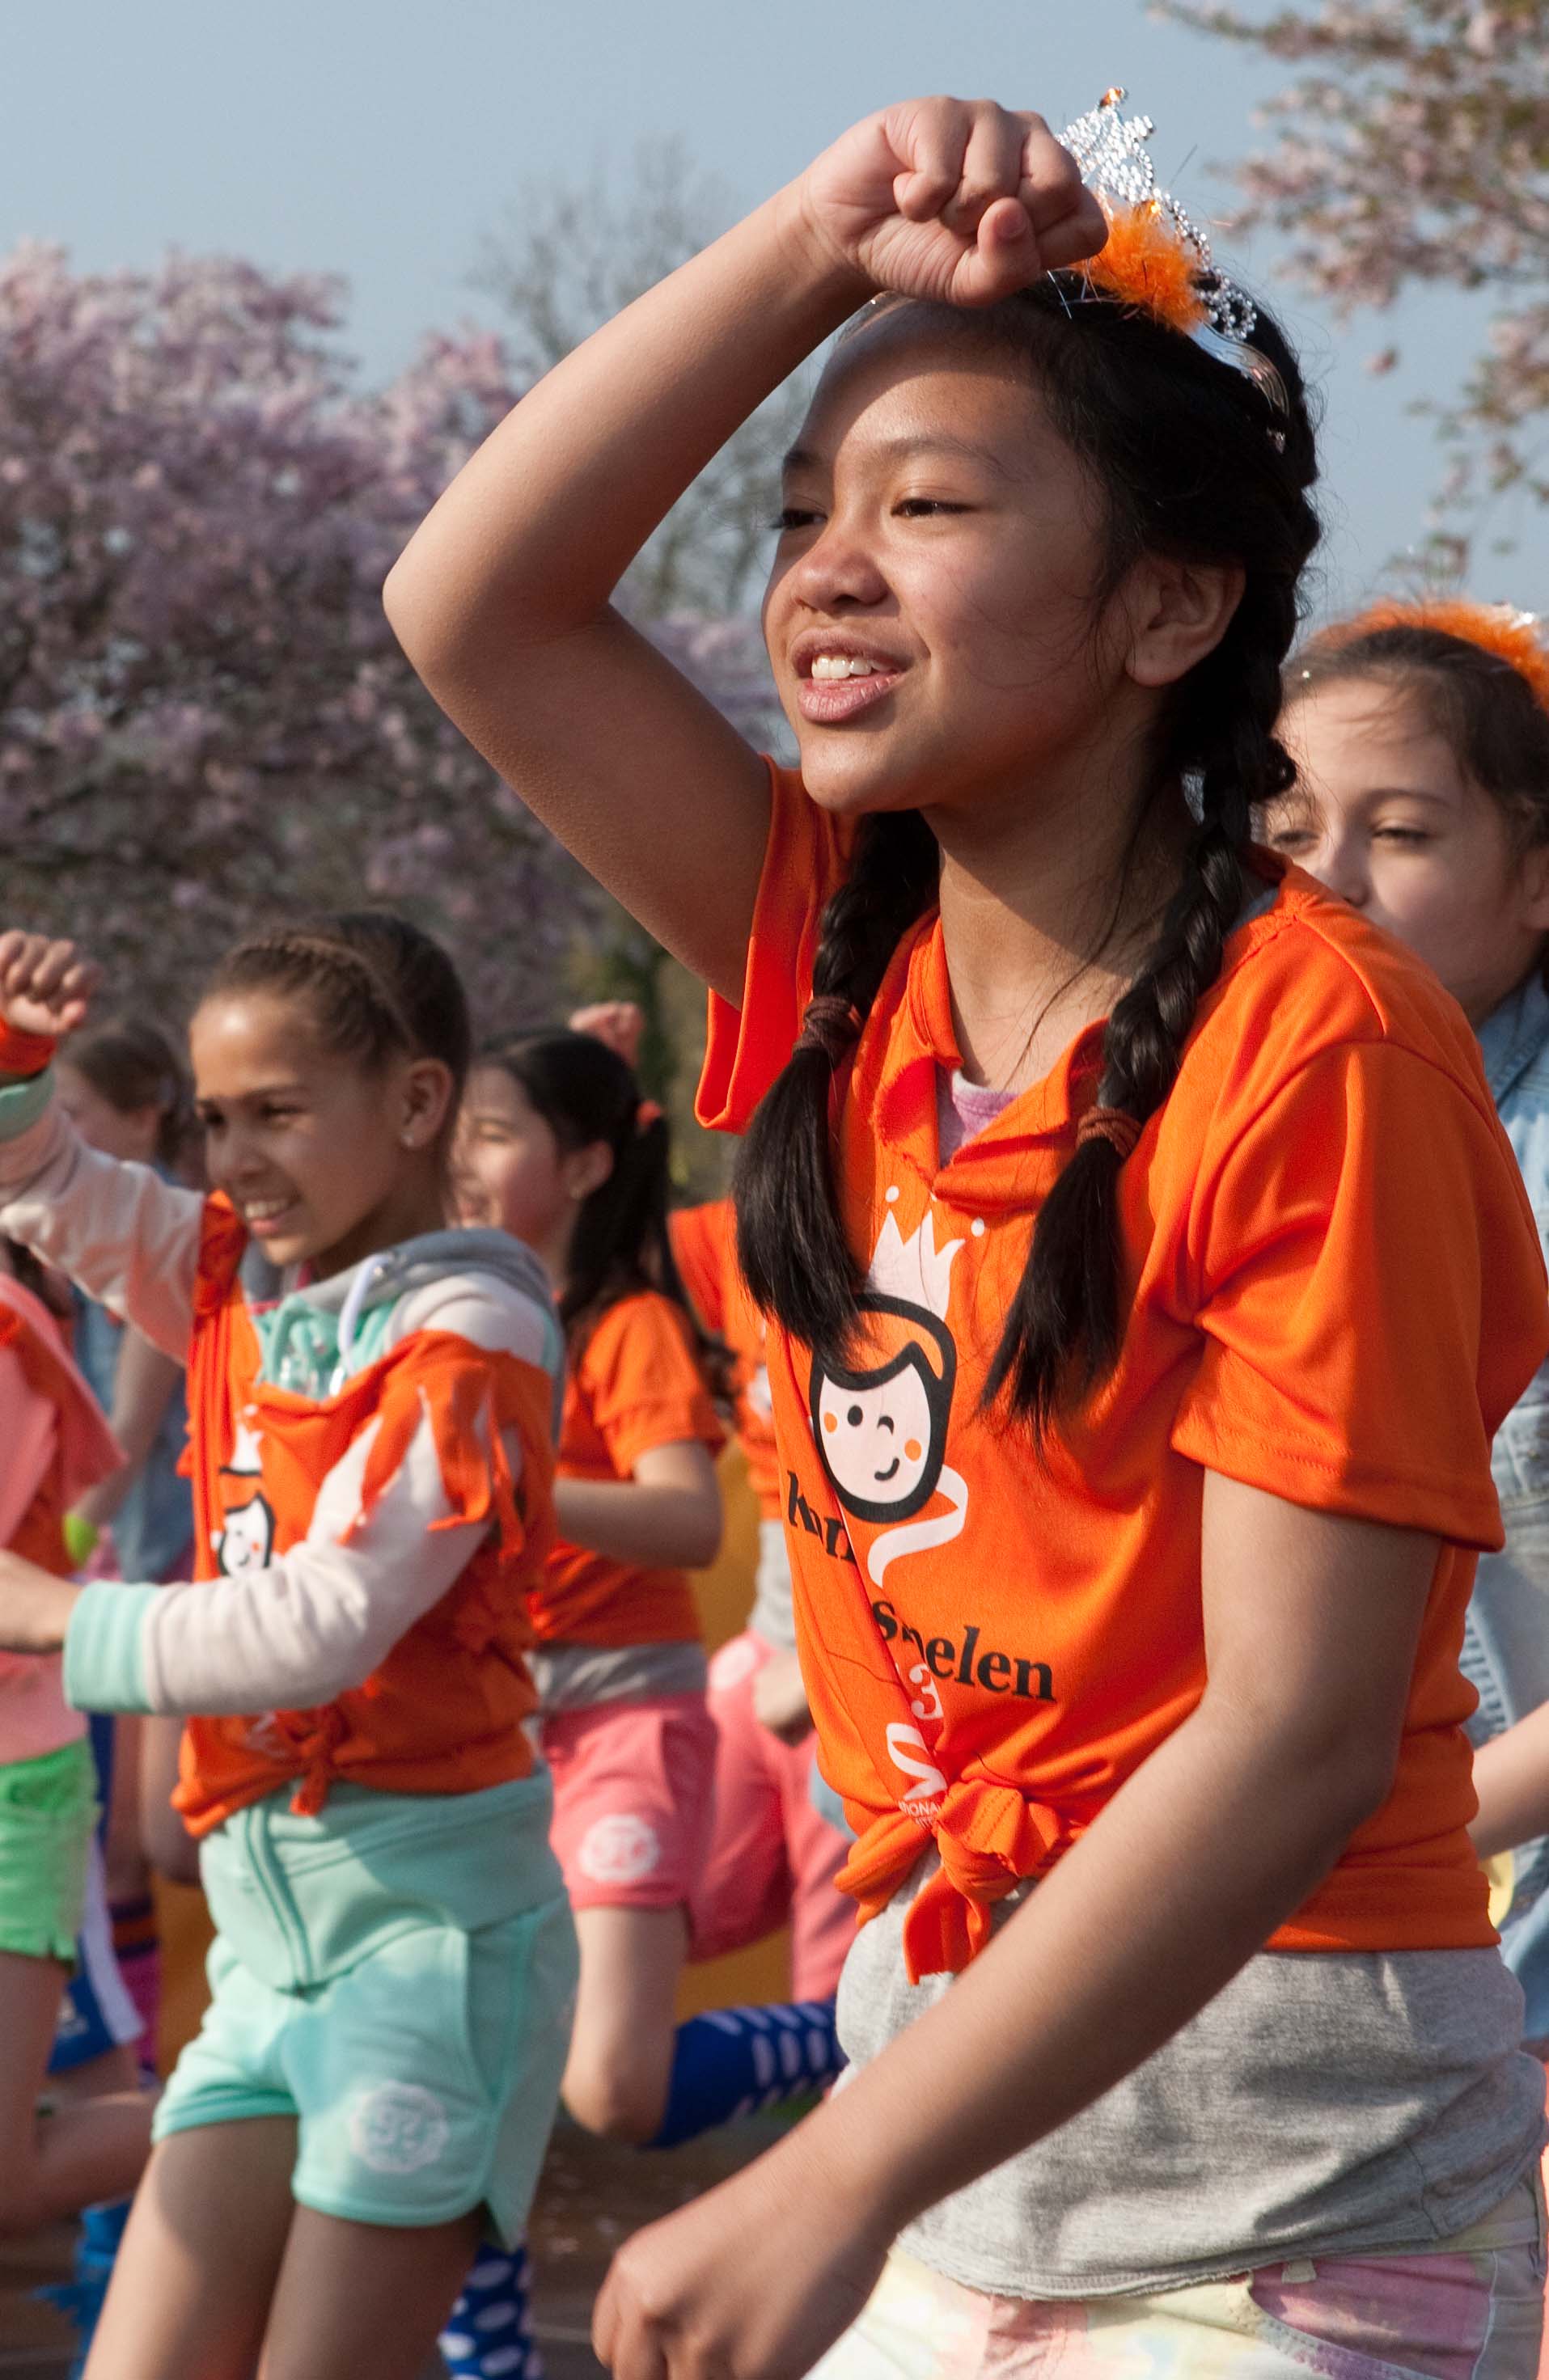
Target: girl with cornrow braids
372,1398
1120,1205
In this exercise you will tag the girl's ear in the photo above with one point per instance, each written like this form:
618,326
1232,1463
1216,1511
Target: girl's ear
1535,887
585,1170
1179,612
427,1090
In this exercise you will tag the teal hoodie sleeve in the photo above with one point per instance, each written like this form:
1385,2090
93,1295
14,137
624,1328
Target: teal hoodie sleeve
21,1103
104,1648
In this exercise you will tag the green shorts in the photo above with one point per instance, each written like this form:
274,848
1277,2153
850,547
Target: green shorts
397,1975
48,1809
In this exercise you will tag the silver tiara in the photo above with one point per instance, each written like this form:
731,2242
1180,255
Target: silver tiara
1110,148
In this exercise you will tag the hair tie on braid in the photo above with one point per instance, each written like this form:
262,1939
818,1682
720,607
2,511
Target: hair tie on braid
1115,1124
831,1023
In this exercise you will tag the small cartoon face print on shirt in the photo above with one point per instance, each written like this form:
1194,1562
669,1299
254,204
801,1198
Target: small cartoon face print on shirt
881,1430
247,1542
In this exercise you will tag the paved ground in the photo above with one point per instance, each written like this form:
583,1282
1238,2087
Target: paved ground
591,2198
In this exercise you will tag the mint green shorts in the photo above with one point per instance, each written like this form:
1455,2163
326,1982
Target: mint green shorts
48,1808
398,1975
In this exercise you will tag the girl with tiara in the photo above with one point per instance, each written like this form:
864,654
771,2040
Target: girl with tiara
1146,1272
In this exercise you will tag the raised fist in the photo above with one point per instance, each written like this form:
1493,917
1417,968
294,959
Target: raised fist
44,986
950,199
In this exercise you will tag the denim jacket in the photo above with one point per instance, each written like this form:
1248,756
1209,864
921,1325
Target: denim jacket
1505,1644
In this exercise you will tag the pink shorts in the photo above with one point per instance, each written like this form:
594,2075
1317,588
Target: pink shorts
632,1787
772,1859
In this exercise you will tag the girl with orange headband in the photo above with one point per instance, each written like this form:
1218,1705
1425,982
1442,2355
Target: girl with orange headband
1146,1273
1421,735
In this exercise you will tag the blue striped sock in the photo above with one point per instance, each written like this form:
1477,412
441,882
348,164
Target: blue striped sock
489,2334
734,2061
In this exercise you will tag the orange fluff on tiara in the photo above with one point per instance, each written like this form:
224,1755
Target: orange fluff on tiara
1146,265
1513,636
1157,260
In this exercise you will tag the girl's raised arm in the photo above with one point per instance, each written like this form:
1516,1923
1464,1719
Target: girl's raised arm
119,1232
502,599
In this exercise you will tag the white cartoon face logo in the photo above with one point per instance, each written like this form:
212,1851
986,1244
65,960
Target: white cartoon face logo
881,1432
247,1542
876,1436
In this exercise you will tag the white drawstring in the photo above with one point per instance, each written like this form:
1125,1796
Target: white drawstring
350,1315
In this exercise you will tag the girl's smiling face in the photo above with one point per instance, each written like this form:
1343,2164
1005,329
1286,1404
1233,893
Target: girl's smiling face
511,1172
1386,816
930,610
507,1167
326,1162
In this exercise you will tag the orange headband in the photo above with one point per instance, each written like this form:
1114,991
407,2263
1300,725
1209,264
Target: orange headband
1511,636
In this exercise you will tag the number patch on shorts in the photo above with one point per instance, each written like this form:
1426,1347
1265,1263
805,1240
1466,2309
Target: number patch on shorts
399,2126
620,1849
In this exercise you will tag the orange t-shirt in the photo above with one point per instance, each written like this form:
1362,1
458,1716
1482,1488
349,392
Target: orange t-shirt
635,1385
1335,1293
444,1712
705,1243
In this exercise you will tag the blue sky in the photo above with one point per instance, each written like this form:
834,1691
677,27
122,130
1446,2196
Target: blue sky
385,141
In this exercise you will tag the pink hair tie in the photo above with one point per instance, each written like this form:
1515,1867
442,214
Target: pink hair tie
1115,1124
646,1115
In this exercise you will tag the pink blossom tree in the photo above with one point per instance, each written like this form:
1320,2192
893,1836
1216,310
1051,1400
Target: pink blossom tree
1411,149
204,719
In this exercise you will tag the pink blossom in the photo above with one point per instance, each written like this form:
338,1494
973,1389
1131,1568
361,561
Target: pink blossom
206,716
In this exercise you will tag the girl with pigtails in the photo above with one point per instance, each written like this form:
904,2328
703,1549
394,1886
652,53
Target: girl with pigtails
1145,1269
559,1147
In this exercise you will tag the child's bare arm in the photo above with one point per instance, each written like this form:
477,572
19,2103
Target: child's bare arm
1311,1624
141,1390
503,598
668,1515
123,1234
1511,1777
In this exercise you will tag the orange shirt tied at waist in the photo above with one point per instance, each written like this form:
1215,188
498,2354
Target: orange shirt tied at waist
1335,1291
443,1713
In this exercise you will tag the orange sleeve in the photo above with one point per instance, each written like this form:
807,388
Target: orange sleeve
1365,1271
698,1244
746,1048
642,1383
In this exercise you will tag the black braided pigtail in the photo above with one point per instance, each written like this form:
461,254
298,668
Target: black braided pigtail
790,1243
1065,1325
1207,467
